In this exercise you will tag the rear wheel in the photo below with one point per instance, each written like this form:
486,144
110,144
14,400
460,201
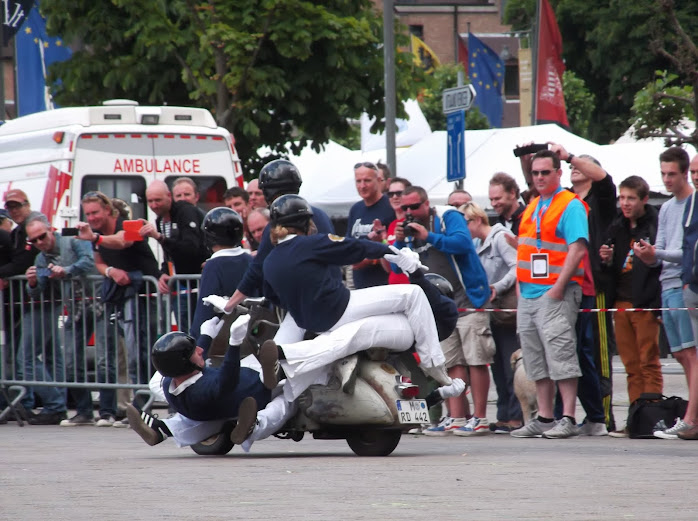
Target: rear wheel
217,445
374,442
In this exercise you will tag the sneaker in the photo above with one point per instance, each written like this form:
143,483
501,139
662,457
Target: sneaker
565,428
533,429
587,428
419,430
106,420
475,427
690,434
623,433
148,427
47,418
447,426
502,428
122,423
269,360
78,420
672,433
247,419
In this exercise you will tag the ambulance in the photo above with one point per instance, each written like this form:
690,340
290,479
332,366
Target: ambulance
118,148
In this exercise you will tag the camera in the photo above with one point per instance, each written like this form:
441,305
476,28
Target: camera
70,232
407,230
529,149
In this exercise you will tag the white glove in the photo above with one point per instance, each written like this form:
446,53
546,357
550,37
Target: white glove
238,330
406,259
451,391
211,327
217,302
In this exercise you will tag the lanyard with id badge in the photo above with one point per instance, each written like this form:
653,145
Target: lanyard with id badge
540,264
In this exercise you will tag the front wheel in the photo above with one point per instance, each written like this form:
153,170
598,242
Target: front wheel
217,445
374,442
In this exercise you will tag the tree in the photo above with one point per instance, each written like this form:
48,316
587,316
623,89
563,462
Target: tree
660,108
606,44
579,102
273,72
430,99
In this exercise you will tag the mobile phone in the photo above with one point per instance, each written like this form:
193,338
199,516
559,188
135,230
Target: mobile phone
529,149
43,272
69,232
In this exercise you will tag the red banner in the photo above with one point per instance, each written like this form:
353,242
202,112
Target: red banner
463,53
550,102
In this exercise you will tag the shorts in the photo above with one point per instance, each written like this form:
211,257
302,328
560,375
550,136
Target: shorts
677,324
547,335
471,343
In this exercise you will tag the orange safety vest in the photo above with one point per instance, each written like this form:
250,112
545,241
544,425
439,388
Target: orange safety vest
553,246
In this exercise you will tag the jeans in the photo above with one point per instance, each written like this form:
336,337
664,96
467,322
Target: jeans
140,322
508,406
40,357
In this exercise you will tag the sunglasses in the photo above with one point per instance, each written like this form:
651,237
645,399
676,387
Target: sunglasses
38,238
535,173
412,207
366,164
13,206
396,193
96,195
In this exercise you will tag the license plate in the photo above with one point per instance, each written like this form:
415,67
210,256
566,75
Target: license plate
412,411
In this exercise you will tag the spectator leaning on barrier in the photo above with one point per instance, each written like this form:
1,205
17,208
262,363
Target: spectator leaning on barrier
440,235
458,198
667,252
499,261
123,264
257,197
504,197
178,230
636,285
368,219
553,237
53,284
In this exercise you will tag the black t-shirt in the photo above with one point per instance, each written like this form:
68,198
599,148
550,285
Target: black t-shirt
137,257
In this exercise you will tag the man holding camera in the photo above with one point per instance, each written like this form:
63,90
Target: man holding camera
440,235
61,260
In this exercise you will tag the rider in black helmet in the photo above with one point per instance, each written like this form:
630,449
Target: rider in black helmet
279,177
222,229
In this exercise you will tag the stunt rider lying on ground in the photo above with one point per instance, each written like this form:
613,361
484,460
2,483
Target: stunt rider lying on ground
356,311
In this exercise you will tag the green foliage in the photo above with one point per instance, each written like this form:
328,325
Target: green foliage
271,71
660,107
430,99
580,103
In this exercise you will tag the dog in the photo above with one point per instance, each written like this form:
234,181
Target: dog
524,389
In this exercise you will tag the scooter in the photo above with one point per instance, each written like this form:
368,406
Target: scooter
367,401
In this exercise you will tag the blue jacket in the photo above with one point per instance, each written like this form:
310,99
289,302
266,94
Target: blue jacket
219,391
689,259
252,282
451,236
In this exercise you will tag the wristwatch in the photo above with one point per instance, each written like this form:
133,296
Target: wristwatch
569,159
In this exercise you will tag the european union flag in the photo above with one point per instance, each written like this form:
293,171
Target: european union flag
36,50
487,76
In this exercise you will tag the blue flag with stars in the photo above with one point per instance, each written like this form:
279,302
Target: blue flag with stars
36,50
487,76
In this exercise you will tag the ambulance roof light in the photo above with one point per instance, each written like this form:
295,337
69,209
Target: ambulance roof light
119,102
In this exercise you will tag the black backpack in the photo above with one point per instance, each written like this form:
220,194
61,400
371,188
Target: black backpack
646,413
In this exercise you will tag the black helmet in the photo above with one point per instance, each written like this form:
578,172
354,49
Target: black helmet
279,177
171,353
441,283
291,210
222,226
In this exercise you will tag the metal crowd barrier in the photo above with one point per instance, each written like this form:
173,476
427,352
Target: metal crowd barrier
70,338
180,307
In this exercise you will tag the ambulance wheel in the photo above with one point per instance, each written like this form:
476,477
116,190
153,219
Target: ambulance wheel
217,445
374,442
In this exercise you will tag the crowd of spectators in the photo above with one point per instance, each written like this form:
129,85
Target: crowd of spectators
550,253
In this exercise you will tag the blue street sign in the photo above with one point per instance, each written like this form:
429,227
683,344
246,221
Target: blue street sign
455,125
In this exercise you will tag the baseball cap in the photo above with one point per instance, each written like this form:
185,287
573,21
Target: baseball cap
17,196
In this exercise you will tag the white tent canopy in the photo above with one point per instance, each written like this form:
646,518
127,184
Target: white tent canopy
328,180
